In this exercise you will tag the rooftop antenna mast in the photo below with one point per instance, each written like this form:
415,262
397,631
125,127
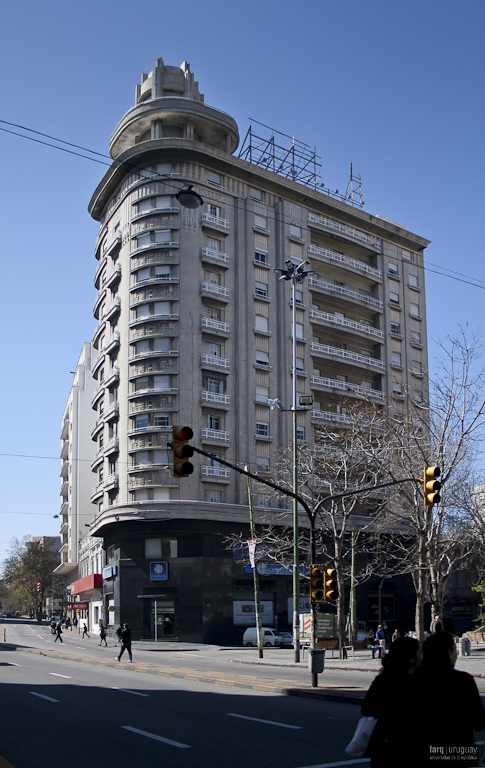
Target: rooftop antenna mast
353,194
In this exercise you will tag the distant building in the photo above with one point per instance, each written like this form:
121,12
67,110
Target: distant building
194,329
47,542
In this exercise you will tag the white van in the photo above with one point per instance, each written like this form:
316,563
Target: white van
270,637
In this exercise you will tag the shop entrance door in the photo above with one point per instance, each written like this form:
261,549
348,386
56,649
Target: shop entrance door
162,619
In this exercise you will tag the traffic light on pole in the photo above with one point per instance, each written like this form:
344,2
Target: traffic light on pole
181,451
316,584
39,587
431,485
330,587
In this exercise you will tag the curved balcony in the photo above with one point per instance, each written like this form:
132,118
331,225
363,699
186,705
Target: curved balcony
212,361
350,325
346,293
151,478
113,276
324,349
97,492
112,309
97,302
153,391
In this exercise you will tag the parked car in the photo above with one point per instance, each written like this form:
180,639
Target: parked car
270,637
287,639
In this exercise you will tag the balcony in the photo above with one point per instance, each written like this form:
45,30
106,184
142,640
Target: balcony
324,349
344,229
214,434
316,282
64,489
112,481
113,245
345,261
112,376
97,492
111,446
211,360
112,309
150,479
113,276
339,418
214,397
153,391
209,219
97,302
112,343
345,386
65,429
352,325
97,332
217,473
206,323
217,257
99,269
214,290
65,449
112,411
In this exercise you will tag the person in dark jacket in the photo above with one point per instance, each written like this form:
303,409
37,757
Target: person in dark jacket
125,642
391,700
453,708
58,632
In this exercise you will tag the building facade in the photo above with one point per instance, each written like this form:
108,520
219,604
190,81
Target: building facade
194,328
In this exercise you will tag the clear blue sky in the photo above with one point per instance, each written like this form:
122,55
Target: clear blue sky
395,87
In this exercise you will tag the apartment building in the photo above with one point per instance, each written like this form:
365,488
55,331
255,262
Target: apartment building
194,328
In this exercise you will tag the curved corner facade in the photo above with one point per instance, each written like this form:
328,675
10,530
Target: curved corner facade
193,327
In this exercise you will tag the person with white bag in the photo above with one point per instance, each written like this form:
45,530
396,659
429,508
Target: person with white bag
385,732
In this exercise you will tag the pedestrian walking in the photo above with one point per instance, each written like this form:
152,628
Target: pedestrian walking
74,621
452,708
125,642
391,700
436,626
381,639
118,634
68,624
102,635
85,631
395,635
58,632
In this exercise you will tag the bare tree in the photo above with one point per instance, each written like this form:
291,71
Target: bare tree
30,563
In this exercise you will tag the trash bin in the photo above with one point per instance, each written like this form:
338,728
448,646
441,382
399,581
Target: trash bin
316,660
464,646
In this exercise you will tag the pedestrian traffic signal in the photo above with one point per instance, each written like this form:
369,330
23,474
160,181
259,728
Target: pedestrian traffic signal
431,485
181,451
330,587
316,584
39,587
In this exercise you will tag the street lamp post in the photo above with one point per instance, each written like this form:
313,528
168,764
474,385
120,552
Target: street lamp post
296,273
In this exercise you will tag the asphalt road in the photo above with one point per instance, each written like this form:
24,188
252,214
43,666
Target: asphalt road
59,709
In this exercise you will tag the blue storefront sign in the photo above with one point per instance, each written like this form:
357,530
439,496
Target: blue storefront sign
159,571
273,569
109,571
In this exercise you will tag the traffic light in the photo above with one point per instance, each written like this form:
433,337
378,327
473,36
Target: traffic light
330,587
316,584
431,485
181,451
39,587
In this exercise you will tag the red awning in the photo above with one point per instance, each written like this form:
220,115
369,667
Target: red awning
94,581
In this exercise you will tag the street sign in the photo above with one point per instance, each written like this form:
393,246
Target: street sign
159,571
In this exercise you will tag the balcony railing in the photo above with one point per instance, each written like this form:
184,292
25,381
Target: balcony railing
345,229
324,349
210,471
214,434
345,261
354,325
220,362
367,298
210,253
210,219
345,386
218,290
214,325
330,416
214,397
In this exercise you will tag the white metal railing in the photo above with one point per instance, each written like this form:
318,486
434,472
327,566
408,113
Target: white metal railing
355,325
221,362
329,416
216,325
214,397
114,274
345,386
111,480
111,444
112,374
367,298
114,339
114,305
214,434
215,220
346,229
211,253
112,408
344,353
209,471
346,260
219,290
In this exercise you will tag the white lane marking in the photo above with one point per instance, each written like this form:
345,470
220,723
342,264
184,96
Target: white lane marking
268,722
157,738
80,646
11,664
41,696
56,674
41,637
125,690
357,761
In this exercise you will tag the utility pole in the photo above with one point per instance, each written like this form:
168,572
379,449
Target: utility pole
257,610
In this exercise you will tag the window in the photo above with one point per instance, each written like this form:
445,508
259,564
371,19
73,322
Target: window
212,277
162,308
299,297
413,281
416,338
262,464
262,429
261,257
392,269
396,329
300,364
214,350
153,549
160,421
397,390
300,434
417,368
261,222
393,297
414,310
142,274
213,244
162,273
396,359
142,312
262,394
299,331
213,313
256,194
141,422
215,386
162,236
261,290
295,231
261,324
214,178
214,210
262,358
213,497
214,422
